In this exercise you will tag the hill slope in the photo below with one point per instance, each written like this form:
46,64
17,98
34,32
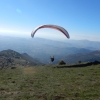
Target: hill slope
84,57
9,58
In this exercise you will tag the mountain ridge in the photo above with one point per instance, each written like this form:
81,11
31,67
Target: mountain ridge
11,58
41,49
83,57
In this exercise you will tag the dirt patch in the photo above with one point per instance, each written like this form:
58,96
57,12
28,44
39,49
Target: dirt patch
29,70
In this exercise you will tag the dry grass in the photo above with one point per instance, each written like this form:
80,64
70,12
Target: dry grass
29,70
49,83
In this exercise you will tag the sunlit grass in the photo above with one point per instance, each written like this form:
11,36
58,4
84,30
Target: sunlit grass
29,70
49,83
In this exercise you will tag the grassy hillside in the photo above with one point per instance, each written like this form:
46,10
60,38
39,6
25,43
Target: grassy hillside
49,83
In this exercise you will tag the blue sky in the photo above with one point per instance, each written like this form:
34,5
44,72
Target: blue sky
81,18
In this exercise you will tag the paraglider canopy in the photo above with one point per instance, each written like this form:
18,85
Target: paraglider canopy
61,29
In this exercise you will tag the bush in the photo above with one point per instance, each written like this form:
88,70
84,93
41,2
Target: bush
62,62
79,62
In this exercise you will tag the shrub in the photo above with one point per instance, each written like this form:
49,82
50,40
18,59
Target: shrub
79,62
62,62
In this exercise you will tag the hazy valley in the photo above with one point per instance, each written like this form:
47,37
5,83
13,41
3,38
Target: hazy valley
71,51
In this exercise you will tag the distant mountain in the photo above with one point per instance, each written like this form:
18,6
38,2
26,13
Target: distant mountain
83,57
30,59
41,49
11,58
91,45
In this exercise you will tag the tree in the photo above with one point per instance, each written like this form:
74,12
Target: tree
79,62
62,62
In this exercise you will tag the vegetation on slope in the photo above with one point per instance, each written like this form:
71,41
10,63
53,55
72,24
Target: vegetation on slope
10,58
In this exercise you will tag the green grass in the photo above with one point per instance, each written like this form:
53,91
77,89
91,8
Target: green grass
49,83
